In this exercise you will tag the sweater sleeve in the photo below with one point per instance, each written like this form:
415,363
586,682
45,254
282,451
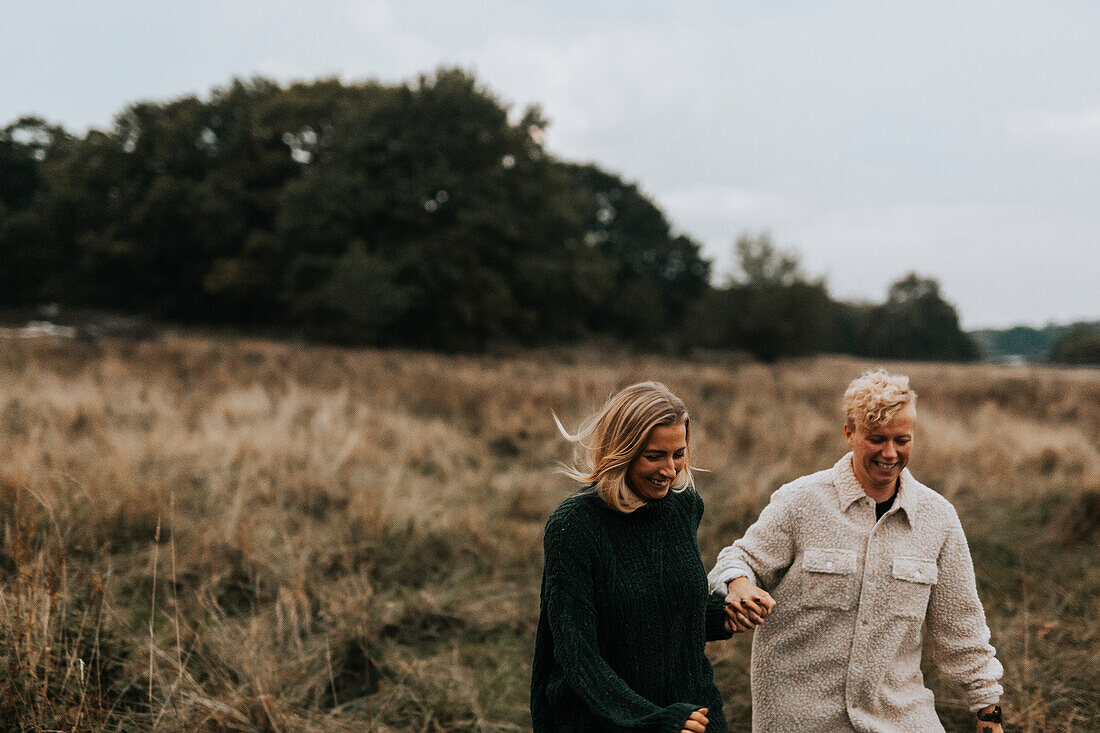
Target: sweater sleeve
763,555
716,619
956,624
568,578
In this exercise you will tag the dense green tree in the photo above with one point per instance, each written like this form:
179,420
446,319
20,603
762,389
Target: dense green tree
479,228
1079,345
769,307
23,145
915,322
29,251
426,214
1032,344
763,265
850,327
657,273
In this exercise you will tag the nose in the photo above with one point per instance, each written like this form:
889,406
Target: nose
668,468
889,450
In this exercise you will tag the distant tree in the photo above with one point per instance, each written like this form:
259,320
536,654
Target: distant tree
363,295
916,322
657,273
420,214
425,214
23,146
29,253
769,307
464,206
1034,344
763,265
850,327
1079,345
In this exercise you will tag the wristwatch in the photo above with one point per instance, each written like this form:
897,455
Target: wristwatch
993,716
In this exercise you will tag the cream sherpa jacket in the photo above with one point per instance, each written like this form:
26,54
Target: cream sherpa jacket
842,649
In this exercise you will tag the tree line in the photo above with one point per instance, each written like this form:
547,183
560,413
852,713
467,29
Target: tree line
423,214
1073,343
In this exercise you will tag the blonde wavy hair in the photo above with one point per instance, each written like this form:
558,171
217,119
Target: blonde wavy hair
607,442
875,396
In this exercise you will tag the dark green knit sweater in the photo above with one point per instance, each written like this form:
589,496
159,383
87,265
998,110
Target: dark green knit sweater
624,619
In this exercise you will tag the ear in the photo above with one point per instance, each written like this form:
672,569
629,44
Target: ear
848,433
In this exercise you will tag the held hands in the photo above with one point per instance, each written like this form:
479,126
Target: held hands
697,722
747,606
984,727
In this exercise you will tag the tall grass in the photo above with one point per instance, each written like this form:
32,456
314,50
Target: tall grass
241,535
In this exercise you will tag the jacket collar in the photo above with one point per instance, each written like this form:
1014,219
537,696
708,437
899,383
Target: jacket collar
849,490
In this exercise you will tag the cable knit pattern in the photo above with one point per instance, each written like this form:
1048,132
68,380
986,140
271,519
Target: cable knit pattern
624,619
842,649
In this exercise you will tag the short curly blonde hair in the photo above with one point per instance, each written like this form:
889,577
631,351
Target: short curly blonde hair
875,396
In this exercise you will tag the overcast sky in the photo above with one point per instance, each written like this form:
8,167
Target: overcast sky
957,139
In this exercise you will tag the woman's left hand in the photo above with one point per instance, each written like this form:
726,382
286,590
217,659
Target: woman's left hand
696,722
746,605
740,624
984,727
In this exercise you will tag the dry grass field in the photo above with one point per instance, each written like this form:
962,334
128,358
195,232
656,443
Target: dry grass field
239,535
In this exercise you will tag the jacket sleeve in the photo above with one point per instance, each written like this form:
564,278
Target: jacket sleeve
763,554
568,578
956,624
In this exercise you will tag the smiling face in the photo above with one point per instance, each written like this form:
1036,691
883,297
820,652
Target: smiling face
879,453
664,455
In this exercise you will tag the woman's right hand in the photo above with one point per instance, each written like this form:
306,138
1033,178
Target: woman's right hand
747,605
696,722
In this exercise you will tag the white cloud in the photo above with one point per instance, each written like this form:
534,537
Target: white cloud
372,16
1071,133
722,202
605,90
999,263
716,214
816,122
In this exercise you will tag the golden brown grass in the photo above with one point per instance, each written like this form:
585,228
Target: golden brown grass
241,535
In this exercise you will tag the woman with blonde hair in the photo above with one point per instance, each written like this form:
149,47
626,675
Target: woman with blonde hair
625,612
